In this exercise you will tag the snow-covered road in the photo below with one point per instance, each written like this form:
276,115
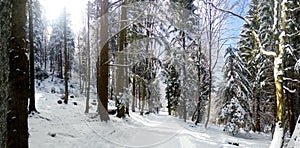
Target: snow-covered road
67,126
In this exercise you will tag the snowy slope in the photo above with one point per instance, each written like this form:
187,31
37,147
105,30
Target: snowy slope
66,126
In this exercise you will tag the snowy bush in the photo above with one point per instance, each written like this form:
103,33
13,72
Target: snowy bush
233,114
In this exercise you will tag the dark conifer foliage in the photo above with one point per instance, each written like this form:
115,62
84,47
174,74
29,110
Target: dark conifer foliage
173,87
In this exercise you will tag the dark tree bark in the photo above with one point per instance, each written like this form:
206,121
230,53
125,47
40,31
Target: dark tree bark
169,106
60,64
102,65
32,107
4,38
66,66
257,113
133,90
18,80
143,95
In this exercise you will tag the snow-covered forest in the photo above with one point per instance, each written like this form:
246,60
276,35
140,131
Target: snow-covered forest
156,73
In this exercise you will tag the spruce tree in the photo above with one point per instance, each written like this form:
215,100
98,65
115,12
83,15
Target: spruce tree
236,110
259,65
173,87
291,56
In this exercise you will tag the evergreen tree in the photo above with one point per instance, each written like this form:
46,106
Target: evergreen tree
173,87
56,46
236,110
184,10
259,65
291,57
40,33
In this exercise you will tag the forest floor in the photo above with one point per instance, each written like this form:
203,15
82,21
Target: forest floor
67,126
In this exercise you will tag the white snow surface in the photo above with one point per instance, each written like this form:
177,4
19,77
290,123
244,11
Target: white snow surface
67,126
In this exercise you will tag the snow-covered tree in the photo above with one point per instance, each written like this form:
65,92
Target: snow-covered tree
291,76
40,33
236,110
203,86
173,87
182,45
56,46
260,66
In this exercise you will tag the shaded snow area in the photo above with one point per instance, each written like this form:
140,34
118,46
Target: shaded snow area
67,126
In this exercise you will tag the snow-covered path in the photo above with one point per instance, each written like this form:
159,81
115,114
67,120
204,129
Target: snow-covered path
66,126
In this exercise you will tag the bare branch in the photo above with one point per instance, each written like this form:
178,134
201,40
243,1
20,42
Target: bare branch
255,35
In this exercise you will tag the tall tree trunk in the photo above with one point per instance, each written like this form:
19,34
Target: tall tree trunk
88,61
210,64
278,69
121,72
289,95
5,31
144,86
45,53
200,91
31,65
257,110
184,74
139,91
66,66
169,106
60,64
133,89
79,62
102,66
290,112
18,87
143,95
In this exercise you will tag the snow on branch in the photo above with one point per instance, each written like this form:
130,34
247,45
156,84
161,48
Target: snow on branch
290,79
294,9
255,35
297,66
289,90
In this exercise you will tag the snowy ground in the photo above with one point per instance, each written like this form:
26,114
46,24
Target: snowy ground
67,126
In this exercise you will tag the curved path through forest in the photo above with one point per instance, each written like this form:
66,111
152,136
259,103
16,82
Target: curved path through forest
67,126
